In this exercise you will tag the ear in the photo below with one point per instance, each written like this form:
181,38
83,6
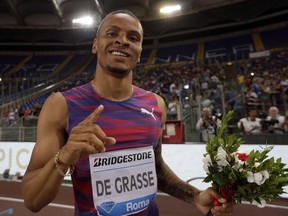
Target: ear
94,47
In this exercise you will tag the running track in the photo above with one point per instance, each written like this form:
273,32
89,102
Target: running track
11,203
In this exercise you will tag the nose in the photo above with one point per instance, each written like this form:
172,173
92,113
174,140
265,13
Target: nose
122,40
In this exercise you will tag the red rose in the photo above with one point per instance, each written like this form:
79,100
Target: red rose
242,156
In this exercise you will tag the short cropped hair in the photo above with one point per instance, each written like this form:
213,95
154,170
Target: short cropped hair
122,11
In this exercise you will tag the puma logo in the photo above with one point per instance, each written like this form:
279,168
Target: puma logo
148,112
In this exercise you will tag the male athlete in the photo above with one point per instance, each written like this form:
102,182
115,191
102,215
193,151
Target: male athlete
106,134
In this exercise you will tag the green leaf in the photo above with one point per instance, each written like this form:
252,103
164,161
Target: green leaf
219,178
234,175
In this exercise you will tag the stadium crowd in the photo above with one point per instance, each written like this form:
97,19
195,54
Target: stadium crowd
259,82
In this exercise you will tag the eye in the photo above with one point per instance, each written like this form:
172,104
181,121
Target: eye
111,33
134,38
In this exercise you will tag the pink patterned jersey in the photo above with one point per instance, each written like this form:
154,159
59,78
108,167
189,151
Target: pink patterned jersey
134,122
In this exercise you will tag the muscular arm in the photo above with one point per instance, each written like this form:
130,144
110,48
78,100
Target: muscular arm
42,181
168,182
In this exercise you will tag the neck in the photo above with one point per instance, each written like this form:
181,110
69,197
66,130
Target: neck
112,93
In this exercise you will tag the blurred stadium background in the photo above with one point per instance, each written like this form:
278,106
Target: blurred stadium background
210,53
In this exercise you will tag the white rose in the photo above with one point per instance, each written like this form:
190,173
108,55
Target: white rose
207,161
259,178
221,157
250,177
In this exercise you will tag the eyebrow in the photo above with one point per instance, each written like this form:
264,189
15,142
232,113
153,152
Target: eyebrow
116,27
119,28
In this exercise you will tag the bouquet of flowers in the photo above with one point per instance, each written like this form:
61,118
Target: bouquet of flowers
241,176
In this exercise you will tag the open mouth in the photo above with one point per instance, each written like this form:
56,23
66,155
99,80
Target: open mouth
118,53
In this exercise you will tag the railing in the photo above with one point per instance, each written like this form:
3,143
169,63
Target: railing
28,134
265,138
19,134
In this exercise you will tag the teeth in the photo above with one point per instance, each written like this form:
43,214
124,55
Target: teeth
118,54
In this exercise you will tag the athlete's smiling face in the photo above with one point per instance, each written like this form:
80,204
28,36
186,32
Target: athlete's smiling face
119,43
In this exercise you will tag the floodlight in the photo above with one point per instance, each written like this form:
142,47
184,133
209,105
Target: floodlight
86,20
170,9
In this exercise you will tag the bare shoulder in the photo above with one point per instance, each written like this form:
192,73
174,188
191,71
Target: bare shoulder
53,117
51,131
53,120
56,100
55,109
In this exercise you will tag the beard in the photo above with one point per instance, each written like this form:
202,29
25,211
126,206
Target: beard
119,72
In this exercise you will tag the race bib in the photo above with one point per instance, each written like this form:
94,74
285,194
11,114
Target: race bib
124,182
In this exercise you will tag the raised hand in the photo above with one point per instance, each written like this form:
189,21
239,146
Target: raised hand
86,138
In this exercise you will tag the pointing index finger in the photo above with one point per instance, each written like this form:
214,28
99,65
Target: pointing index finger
92,118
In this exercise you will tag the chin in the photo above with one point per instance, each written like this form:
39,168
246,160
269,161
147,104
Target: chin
119,71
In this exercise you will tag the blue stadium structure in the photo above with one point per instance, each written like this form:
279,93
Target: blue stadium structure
211,52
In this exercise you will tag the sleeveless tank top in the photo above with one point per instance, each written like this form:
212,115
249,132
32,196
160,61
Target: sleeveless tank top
135,122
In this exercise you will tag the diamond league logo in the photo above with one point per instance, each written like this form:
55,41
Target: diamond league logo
8,211
108,206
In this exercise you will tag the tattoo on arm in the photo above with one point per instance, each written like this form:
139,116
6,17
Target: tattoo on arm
168,182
